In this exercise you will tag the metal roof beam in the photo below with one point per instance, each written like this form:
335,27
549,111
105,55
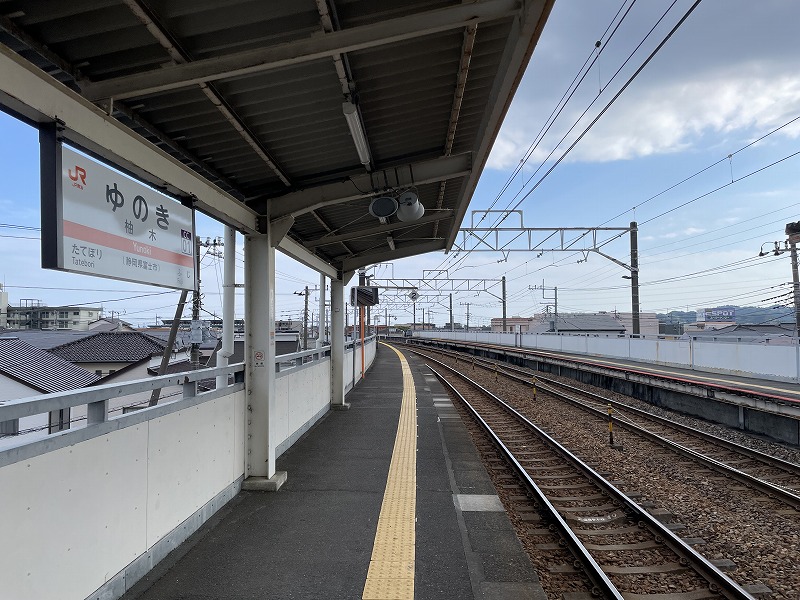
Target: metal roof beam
522,39
369,184
294,250
303,50
379,230
369,258
180,56
37,96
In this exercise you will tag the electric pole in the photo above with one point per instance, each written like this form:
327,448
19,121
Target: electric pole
790,245
195,348
467,305
504,303
554,299
793,231
197,328
452,326
305,293
305,323
635,277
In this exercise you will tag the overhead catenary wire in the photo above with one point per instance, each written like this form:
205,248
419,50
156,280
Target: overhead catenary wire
588,128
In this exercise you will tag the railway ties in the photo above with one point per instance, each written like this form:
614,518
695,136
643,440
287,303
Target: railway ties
772,477
616,548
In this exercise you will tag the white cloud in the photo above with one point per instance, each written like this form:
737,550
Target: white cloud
669,117
692,231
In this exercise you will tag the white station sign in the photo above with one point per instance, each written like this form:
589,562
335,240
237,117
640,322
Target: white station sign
110,225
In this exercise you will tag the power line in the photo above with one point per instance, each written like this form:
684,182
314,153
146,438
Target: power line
600,114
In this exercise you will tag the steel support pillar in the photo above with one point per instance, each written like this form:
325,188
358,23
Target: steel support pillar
228,301
260,359
337,345
321,313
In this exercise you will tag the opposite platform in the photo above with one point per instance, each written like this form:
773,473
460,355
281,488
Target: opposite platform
314,538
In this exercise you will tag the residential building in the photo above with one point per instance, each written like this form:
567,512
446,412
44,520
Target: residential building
32,314
613,323
773,334
29,371
516,324
3,307
105,353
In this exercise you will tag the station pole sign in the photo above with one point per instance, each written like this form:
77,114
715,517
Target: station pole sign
98,221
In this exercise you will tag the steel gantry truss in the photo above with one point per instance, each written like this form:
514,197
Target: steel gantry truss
551,239
536,239
442,284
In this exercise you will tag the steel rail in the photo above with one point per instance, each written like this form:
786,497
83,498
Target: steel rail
770,489
772,461
599,363
590,567
718,581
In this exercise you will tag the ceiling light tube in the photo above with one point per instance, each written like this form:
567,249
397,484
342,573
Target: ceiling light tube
390,241
353,119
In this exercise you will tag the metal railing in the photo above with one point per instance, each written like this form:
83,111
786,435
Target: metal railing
97,398
284,362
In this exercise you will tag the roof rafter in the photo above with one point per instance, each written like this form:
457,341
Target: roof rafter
302,50
180,56
367,184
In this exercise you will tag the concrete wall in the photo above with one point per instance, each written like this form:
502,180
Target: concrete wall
781,363
352,373
105,503
303,395
111,506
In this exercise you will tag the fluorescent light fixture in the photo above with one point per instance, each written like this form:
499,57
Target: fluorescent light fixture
390,241
353,119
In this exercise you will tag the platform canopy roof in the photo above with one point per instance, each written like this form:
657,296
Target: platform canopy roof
250,97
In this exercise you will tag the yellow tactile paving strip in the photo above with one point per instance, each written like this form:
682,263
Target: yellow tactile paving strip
391,568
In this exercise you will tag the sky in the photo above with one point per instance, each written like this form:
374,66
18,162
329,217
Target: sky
699,147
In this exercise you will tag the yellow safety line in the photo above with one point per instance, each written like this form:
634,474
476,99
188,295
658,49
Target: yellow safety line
391,568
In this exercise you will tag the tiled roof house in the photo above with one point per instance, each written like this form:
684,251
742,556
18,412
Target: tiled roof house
107,352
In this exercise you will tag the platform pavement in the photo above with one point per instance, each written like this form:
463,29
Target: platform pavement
314,537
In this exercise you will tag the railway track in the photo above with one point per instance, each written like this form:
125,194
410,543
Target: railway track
774,478
617,546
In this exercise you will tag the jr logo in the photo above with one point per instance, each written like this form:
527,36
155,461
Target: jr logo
80,173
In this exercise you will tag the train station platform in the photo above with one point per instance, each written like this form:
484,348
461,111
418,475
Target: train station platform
388,499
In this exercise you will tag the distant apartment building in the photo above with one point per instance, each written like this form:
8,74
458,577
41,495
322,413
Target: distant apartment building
32,314
606,323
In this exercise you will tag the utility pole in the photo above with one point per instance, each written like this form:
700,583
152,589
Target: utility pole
305,323
197,330
504,303
793,231
554,299
467,305
452,325
195,352
305,293
635,277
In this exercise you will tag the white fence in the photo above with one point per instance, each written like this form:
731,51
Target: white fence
352,360
746,359
88,511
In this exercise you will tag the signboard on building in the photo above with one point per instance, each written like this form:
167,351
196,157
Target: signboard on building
716,315
100,222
